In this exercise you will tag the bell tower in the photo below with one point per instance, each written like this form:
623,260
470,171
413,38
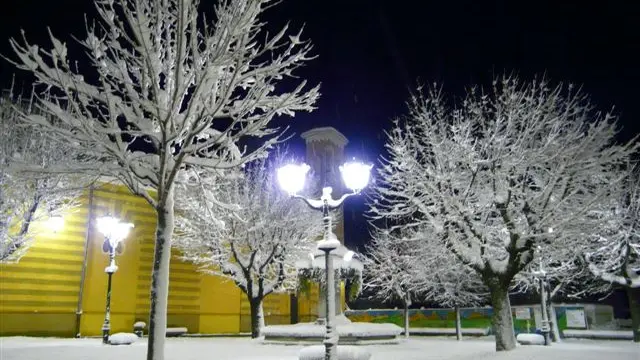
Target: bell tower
324,154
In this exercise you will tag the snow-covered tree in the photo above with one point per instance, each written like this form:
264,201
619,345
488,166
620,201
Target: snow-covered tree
390,267
167,88
450,284
403,264
562,270
607,251
27,198
492,175
246,229
613,257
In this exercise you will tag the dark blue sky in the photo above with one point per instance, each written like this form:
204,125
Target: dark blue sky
372,52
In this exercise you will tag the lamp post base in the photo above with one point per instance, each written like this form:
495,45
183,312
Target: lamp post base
106,326
106,329
331,335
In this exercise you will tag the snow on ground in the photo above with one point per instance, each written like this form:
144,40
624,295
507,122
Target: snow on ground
350,329
599,334
23,348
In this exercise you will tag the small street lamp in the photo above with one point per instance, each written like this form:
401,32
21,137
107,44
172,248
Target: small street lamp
355,176
114,232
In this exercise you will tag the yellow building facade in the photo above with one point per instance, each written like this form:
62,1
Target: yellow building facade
58,288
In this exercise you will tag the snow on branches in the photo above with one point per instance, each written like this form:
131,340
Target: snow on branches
27,198
182,89
494,174
166,88
404,265
614,252
241,226
390,267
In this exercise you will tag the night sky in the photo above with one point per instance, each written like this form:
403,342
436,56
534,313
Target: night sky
372,53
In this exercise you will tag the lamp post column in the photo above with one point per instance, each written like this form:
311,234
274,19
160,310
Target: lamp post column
356,177
106,326
545,328
330,338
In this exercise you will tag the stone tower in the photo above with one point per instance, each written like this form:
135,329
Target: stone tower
325,153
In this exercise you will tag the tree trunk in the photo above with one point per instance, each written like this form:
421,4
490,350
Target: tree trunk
261,316
458,324
502,320
553,321
406,319
634,306
257,317
160,280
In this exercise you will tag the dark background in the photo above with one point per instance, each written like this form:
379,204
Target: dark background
372,53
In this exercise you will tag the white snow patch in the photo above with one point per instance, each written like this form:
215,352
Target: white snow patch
530,339
449,331
313,330
122,339
345,352
599,334
140,325
177,331
23,348
328,244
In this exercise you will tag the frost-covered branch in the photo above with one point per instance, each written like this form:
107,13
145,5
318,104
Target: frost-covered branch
492,175
184,92
241,226
167,89
29,198
390,263
614,252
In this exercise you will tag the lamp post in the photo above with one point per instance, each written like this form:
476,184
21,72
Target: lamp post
114,232
355,176
545,327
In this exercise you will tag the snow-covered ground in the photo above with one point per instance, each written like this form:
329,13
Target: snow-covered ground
22,348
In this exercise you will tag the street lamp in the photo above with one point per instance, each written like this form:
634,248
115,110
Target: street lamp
114,232
545,327
355,176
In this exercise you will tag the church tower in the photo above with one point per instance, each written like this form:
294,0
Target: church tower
324,154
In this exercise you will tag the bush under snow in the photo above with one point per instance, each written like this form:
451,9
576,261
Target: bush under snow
122,339
530,339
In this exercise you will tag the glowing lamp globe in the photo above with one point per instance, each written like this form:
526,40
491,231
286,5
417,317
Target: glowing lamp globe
114,230
291,177
355,175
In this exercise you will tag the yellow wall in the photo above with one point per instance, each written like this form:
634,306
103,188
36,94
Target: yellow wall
39,295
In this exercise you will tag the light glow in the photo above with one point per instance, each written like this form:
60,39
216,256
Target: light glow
114,230
355,175
55,223
291,177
